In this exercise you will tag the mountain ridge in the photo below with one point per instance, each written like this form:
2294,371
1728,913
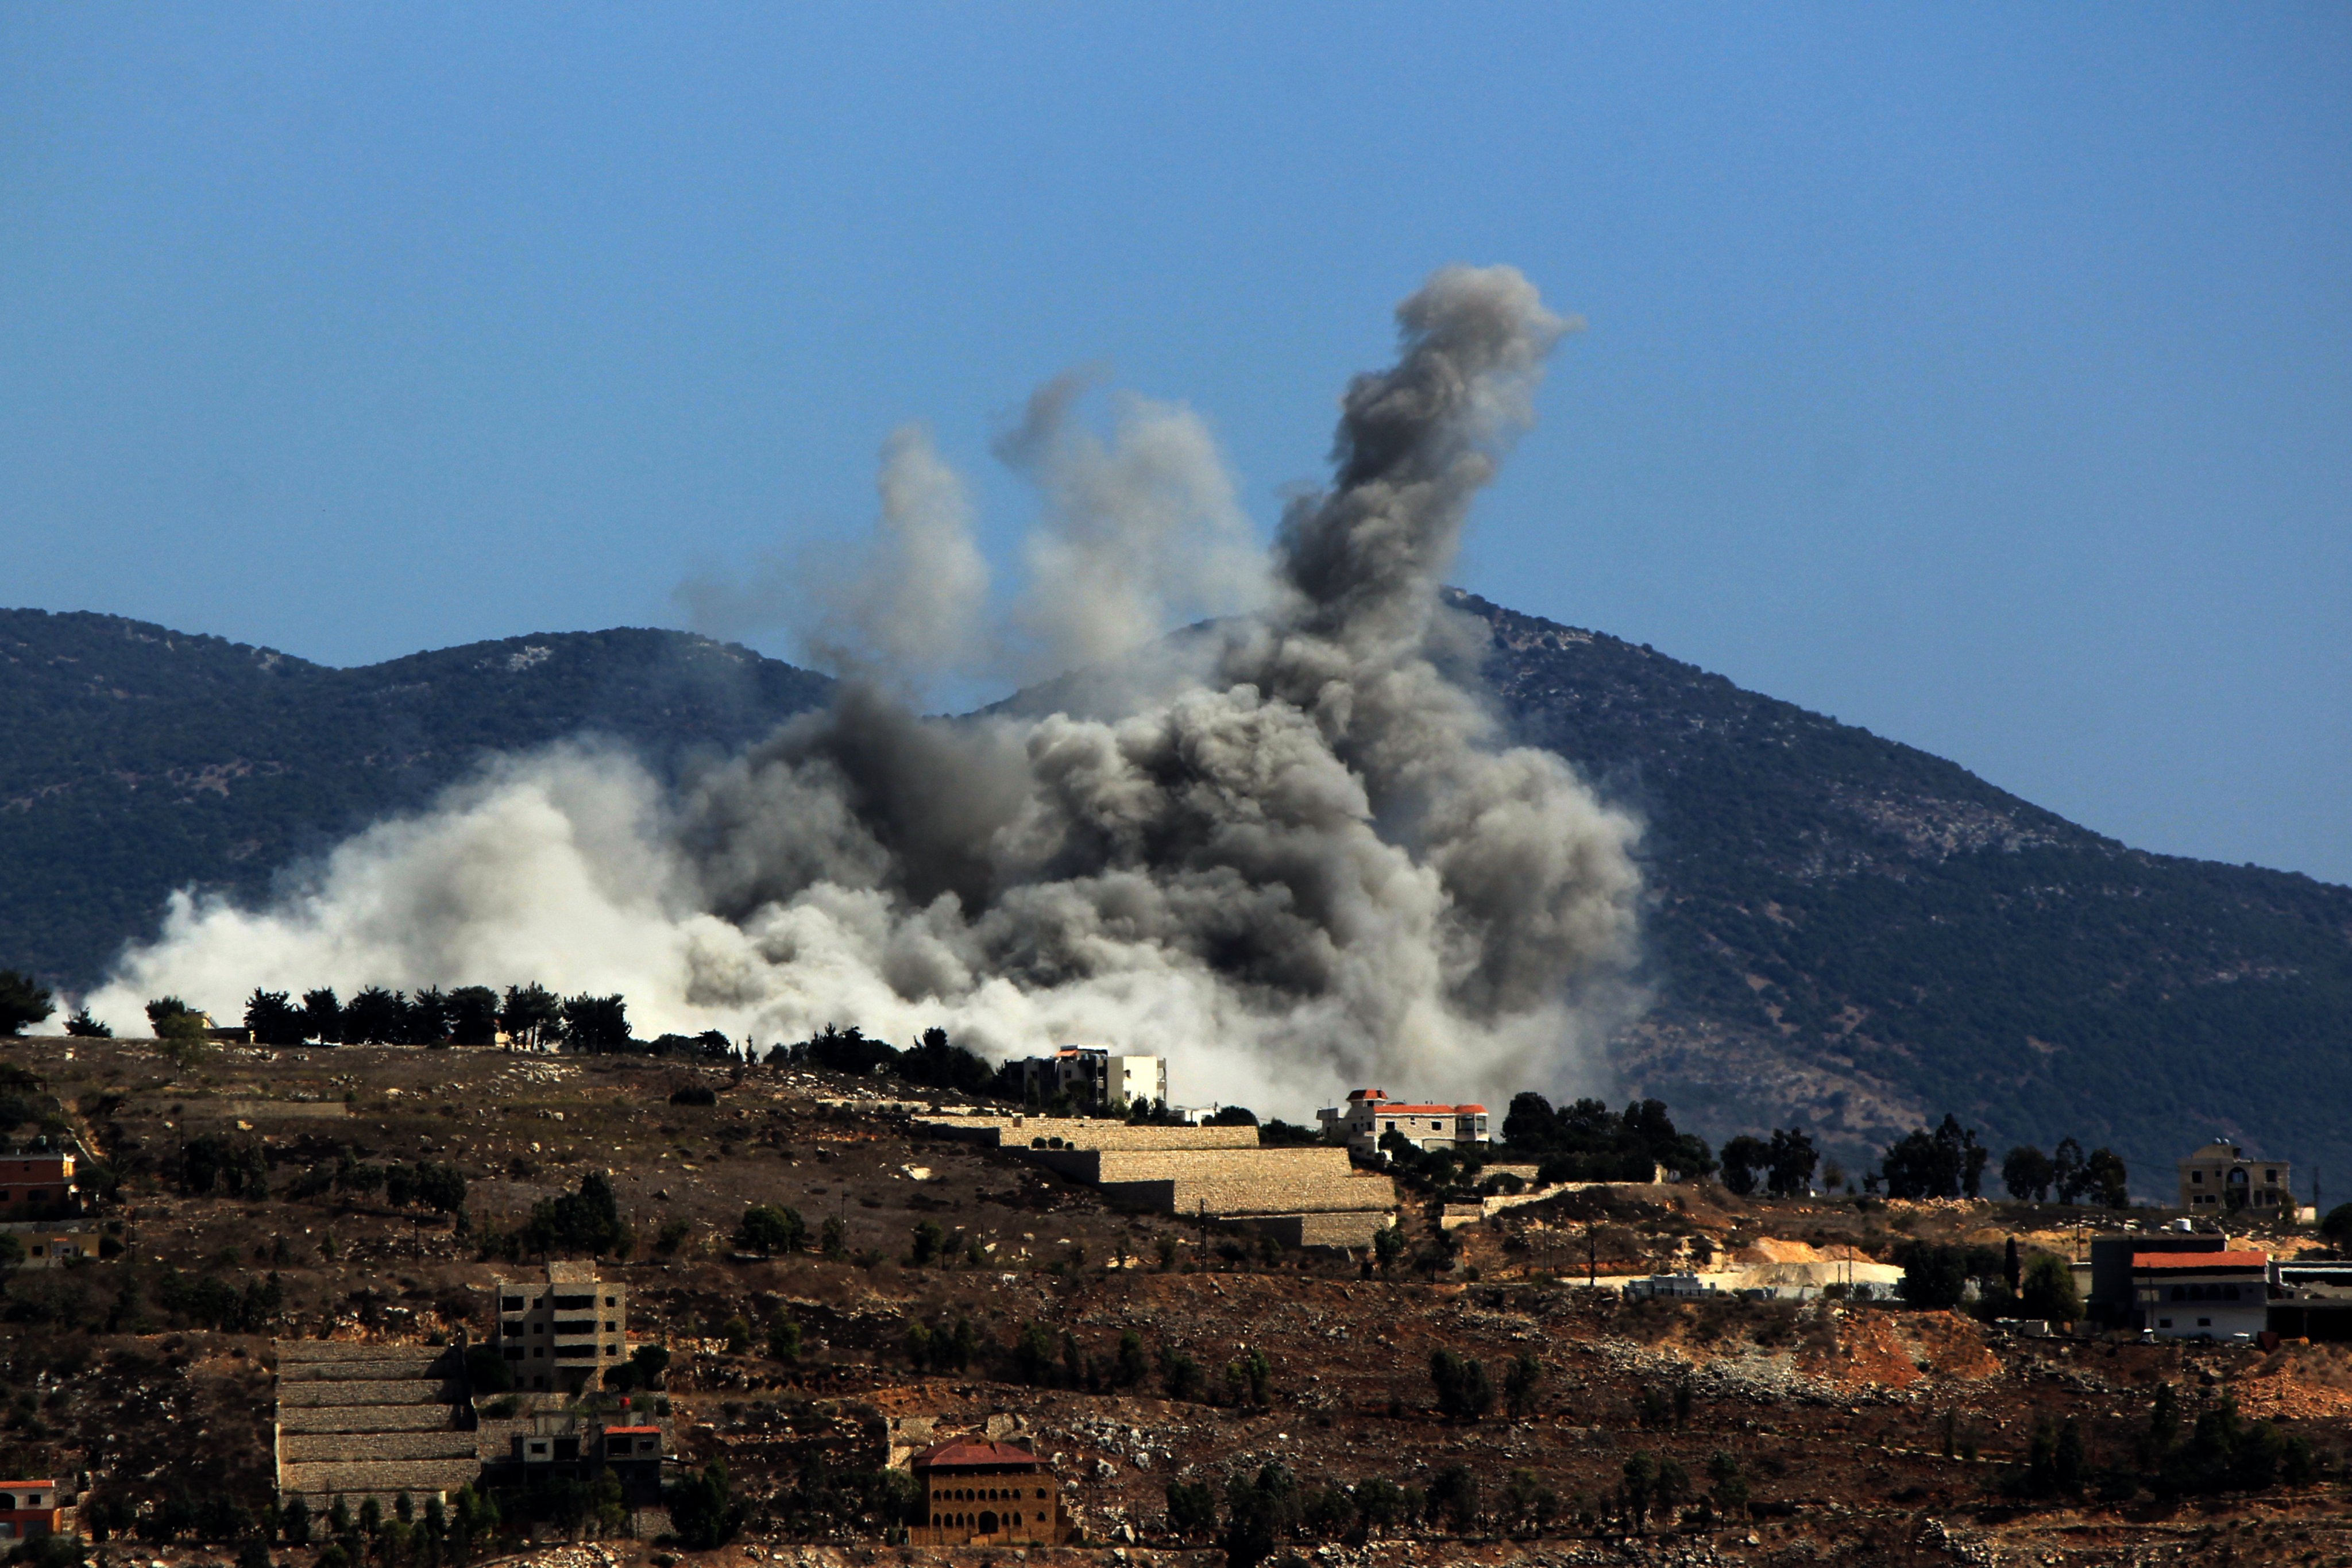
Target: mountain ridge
1843,931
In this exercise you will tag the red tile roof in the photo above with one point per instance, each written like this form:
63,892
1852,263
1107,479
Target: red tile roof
618,1431
974,1453
2200,1262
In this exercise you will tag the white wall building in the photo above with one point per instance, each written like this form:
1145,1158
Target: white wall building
1095,1078
1370,1115
2200,1295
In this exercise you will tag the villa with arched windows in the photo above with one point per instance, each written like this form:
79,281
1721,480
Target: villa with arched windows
981,1493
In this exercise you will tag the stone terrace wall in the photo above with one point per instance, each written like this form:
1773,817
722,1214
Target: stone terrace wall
1078,1132
1108,1165
1242,1194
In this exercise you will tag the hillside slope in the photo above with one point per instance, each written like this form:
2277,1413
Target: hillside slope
140,759
1846,933
1853,934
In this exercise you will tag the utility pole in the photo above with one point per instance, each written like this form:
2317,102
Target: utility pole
1591,1253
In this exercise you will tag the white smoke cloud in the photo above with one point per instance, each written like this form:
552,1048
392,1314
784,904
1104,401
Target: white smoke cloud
1317,866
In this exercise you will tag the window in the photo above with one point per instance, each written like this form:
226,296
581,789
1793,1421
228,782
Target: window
538,1449
612,1301
514,1352
2164,1322
611,1327
510,1304
2204,1322
2197,1178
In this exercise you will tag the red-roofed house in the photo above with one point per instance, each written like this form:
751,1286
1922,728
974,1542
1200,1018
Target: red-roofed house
1371,1115
2202,1295
983,1493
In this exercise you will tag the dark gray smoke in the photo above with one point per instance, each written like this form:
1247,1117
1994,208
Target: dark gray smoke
1315,865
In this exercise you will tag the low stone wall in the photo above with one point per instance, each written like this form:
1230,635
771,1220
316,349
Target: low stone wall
1350,1229
421,1479
335,1447
1104,1167
1081,1133
1244,1196
412,1391
434,1417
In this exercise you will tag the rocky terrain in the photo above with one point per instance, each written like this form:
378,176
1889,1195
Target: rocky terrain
1775,1432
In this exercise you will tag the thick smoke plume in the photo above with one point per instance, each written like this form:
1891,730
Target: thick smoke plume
1310,864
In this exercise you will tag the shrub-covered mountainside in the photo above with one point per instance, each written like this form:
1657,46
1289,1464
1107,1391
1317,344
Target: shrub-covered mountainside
138,759
1846,933
1858,934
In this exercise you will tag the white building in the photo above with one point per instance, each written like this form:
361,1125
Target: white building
2201,1295
1095,1078
1371,1115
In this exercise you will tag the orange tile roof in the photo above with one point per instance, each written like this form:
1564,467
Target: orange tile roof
973,1452
2196,1262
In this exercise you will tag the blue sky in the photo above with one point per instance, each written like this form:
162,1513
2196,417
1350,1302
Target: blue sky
1982,375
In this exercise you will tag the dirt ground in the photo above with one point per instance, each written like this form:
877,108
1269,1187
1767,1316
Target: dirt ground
1862,1432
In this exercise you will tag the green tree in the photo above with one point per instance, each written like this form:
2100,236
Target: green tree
595,1025
2048,1290
1519,1384
784,1338
1033,1355
1380,1504
1250,1380
1192,1509
472,1016
587,1221
770,1228
2338,1226
2105,1179
1389,1245
1641,1487
703,1510
1133,1366
375,1016
2027,1173
1790,1161
273,1018
1462,1392
82,1026
1744,1158
836,1246
1453,1496
322,1016
1730,1494
530,1017
22,1002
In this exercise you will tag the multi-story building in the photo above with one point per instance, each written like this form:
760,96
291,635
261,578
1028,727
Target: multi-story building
983,1493
1371,1115
37,1186
28,1508
560,1333
1095,1078
2221,1177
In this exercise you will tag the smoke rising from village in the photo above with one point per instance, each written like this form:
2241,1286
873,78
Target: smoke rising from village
1303,858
